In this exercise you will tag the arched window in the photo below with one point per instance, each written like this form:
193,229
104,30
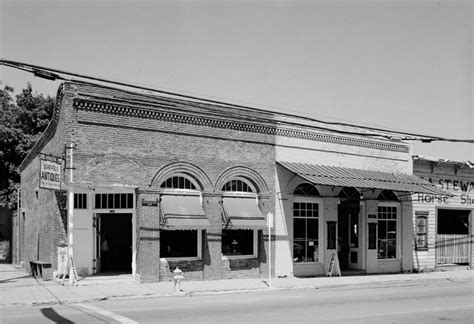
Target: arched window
179,182
387,195
181,218
240,211
349,193
306,189
238,185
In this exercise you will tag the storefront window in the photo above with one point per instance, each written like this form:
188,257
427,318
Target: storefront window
240,242
387,232
237,242
179,244
421,230
305,232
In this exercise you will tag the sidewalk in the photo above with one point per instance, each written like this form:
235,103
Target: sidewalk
19,288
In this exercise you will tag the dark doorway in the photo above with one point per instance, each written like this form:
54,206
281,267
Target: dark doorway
452,239
116,242
348,229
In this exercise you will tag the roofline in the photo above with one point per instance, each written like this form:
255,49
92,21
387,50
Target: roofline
469,164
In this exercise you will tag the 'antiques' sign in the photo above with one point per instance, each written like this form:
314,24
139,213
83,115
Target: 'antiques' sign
50,175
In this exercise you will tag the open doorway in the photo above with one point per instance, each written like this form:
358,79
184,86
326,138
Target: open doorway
115,245
452,239
348,230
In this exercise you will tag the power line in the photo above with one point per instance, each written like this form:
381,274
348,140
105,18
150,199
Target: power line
56,74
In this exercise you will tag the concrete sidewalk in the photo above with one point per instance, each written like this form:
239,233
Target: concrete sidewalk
19,288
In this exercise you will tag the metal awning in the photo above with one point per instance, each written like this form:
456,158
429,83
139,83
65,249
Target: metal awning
182,213
357,178
242,213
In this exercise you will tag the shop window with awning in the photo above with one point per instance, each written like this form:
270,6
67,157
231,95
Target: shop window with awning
242,213
358,178
242,219
182,213
182,219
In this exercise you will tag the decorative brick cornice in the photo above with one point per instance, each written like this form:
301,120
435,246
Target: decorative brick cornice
272,128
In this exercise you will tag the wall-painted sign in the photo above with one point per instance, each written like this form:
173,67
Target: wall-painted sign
50,175
461,189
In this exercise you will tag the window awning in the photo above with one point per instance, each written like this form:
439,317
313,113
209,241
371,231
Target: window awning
357,178
182,213
242,213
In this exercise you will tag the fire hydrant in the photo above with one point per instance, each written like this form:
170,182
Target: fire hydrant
178,276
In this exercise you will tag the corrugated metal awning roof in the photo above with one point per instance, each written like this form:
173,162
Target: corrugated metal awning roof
358,178
183,213
242,213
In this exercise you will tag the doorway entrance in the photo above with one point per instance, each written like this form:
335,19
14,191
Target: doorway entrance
113,243
452,239
348,230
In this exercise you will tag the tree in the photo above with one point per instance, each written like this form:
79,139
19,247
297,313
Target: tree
21,124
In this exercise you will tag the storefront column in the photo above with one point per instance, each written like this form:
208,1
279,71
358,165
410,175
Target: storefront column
371,259
212,237
407,243
148,236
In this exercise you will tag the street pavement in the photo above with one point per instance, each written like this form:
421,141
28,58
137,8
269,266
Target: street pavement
19,288
433,301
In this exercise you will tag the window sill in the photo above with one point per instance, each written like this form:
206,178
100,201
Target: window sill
310,263
388,260
237,257
421,249
180,259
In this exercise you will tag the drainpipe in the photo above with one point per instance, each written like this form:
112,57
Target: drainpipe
18,219
70,214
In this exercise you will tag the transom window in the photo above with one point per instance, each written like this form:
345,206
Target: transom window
305,232
238,185
306,189
349,193
114,200
387,195
178,182
80,201
387,232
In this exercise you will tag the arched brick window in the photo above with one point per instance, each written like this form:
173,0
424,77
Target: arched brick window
181,218
240,212
238,185
179,182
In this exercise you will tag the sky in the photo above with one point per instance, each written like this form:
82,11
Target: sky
402,65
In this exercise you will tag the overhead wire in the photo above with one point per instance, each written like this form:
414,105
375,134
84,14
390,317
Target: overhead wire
53,74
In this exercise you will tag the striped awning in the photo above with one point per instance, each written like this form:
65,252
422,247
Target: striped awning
182,213
242,213
358,178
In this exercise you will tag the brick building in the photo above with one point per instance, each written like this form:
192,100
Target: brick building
443,223
151,183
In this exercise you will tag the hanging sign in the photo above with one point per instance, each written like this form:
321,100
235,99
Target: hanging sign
333,265
50,175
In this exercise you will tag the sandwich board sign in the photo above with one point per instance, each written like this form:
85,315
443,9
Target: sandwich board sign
334,265
50,175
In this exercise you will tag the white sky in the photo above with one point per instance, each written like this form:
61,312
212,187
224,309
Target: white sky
404,65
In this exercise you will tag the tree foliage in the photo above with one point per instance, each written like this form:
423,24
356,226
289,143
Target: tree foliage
22,121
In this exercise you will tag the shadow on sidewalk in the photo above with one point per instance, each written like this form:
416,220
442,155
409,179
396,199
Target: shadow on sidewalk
51,314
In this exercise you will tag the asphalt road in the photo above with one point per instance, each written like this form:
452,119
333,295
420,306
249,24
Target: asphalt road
436,302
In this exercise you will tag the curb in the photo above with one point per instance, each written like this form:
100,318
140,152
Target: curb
362,284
